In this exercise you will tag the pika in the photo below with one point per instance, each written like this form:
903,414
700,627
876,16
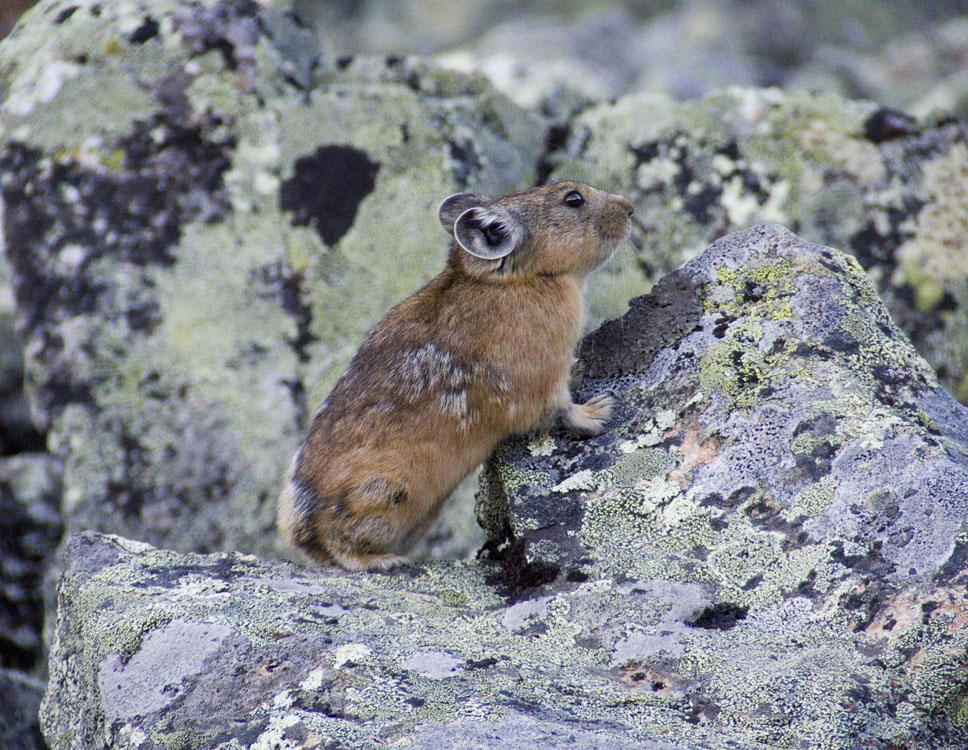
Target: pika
481,352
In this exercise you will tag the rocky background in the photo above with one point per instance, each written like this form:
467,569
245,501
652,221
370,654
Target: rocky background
197,204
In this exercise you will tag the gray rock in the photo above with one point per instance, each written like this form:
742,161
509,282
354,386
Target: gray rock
20,697
784,467
765,549
196,259
872,181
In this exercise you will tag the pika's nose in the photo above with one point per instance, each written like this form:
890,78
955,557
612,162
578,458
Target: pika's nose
625,203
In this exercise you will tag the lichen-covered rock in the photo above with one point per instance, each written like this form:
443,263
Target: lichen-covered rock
203,217
157,649
874,182
765,549
783,467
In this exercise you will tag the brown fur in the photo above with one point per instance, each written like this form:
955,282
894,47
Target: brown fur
482,352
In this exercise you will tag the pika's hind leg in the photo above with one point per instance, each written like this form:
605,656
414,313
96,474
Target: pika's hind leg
589,418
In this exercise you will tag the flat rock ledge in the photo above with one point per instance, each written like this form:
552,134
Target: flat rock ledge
767,548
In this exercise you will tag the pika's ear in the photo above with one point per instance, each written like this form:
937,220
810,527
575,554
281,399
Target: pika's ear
488,233
454,206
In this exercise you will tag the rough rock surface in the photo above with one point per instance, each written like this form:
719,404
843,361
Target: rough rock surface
196,259
20,697
874,182
783,455
767,548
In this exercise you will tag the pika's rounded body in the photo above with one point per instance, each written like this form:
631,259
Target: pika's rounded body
482,352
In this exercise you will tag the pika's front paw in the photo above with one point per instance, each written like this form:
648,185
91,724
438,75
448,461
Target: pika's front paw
589,418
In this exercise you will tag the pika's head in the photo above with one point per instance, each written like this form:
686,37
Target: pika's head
563,228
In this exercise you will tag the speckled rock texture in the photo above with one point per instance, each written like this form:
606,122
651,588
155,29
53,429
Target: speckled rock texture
874,182
786,475
766,548
196,257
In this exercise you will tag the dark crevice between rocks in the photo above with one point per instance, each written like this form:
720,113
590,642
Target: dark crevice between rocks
122,493
285,285
873,247
29,533
516,578
466,161
719,616
228,27
65,14
147,30
887,123
555,141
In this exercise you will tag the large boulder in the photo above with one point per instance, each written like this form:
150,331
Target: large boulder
766,548
875,182
203,218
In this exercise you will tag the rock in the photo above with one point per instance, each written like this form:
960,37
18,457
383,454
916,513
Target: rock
783,467
765,549
197,257
19,703
30,530
878,183
557,64
922,70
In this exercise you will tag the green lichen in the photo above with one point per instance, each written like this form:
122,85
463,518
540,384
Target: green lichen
736,369
641,464
814,500
185,739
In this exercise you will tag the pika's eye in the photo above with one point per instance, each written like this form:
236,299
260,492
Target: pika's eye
574,199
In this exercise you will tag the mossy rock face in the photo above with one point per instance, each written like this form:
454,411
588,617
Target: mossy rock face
765,548
203,218
874,182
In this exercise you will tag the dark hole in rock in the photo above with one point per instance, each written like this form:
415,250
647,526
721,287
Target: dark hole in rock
720,616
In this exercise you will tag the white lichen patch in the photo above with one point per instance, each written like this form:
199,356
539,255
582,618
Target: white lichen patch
740,206
655,173
519,616
639,646
586,479
39,80
351,652
774,210
541,445
665,419
658,491
939,250
314,680
274,736
646,440
435,665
